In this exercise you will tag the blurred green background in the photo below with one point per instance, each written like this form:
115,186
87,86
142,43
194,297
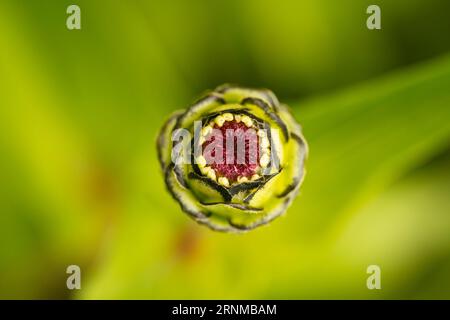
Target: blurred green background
80,182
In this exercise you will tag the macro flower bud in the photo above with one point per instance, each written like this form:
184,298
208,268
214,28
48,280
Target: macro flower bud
235,159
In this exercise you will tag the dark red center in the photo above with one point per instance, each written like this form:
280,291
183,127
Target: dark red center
229,165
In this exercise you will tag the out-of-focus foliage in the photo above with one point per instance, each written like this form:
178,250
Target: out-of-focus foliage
80,183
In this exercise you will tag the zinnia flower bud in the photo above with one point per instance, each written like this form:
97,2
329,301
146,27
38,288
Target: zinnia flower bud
234,160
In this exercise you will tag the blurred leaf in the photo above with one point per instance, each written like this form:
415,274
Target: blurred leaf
363,139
